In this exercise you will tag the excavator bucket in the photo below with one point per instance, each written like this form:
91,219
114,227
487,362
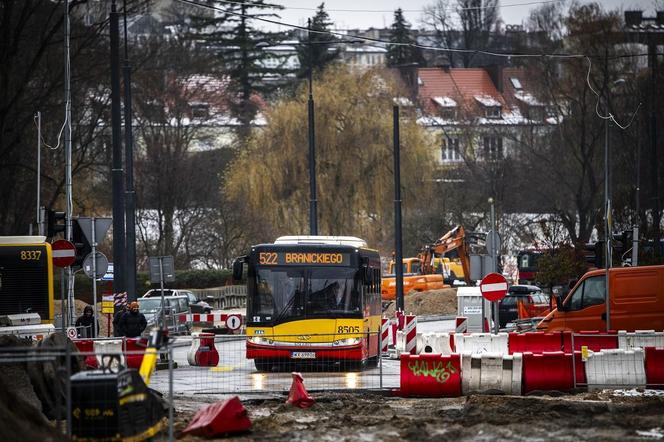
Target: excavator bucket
220,418
298,396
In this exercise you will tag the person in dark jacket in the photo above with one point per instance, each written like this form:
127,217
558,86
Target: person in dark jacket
84,323
117,328
133,322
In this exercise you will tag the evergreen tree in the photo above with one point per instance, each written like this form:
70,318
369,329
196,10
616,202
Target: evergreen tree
399,54
318,50
241,49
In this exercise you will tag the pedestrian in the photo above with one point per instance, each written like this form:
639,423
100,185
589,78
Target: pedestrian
133,322
84,323
117,326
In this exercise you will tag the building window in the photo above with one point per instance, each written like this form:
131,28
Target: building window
492,111
493,148
516,83
200,110
450,150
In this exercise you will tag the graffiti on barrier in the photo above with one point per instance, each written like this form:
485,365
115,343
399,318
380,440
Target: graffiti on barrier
440,371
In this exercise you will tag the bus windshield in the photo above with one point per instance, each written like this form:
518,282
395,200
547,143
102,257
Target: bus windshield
284,294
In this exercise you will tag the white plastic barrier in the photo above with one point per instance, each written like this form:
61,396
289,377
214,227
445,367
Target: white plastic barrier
640,339
491,371
480,343
401,342
616,368
434,343
111,346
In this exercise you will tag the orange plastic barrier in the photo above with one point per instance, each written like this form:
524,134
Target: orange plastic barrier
547,371
430,375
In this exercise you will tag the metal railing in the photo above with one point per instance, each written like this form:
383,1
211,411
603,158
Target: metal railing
231,296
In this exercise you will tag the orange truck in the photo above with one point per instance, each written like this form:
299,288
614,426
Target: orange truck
413,279
636,297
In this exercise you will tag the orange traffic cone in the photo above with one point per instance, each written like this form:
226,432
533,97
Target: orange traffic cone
298,395
521,309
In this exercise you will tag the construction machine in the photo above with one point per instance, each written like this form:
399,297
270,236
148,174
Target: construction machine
433,256
414,279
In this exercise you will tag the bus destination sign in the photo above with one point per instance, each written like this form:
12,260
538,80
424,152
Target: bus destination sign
303,258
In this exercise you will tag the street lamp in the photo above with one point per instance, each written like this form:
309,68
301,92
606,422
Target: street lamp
607,208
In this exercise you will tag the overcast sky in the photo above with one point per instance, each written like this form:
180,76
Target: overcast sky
346,14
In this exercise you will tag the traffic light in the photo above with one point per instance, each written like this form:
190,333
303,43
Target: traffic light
594,254
53,225
83,247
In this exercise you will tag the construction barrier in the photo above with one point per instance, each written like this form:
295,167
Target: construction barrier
595,340
461,325
385,329
547,371
655,367
86,346
640,339
410,334
540,342
134,348
430,375
441,343
616,368
202,351
110,346
491,371
479,343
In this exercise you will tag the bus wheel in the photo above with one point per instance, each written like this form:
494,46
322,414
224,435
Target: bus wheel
263,364
356,365
372,362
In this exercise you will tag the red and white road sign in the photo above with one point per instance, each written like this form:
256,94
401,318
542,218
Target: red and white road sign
233,322
64,253
493,287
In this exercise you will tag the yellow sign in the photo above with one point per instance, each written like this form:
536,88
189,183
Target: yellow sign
107,307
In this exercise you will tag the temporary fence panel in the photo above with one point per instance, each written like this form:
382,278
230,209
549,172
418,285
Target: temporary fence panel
640,339
616,368
655,367
267,367
547,371
440,343
430,375
595,340
491,371
480,343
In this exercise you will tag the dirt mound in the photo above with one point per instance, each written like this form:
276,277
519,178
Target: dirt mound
369,417
432,302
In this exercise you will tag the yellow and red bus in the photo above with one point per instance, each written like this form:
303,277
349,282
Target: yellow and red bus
26,277
314,299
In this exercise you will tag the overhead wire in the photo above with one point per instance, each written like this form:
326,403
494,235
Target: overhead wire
427,47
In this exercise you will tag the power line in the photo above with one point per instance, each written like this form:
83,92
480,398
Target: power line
610,116
296,8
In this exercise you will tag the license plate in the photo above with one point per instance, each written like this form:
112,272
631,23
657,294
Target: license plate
303,355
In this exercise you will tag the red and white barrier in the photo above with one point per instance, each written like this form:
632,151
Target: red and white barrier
385,329
461,324
410,334
202,351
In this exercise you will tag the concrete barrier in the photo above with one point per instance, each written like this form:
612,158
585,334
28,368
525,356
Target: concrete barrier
479,343
615,368
640,339
491,371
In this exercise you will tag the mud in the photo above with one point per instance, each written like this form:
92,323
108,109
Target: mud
373,417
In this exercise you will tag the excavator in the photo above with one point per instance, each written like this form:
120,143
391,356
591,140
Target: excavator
432,256
431,269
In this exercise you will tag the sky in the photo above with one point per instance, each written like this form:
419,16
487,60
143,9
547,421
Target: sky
346,14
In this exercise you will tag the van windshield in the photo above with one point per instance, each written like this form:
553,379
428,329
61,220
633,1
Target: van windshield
591,292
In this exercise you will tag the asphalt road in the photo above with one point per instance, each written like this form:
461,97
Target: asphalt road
234,374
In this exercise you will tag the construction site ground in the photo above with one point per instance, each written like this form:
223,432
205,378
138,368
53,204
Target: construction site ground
431,302
592,416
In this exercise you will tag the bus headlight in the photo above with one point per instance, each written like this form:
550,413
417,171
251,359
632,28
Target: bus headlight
345,342
260,340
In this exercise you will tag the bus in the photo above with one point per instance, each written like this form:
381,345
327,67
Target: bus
312,299
26,283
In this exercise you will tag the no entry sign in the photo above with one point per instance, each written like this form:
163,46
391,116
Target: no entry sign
64,253
493,287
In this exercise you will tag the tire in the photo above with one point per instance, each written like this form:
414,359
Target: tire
263,365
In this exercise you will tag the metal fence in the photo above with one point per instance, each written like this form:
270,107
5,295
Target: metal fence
243,370
50,390
231,296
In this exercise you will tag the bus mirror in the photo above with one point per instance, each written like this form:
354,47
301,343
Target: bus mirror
238,268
